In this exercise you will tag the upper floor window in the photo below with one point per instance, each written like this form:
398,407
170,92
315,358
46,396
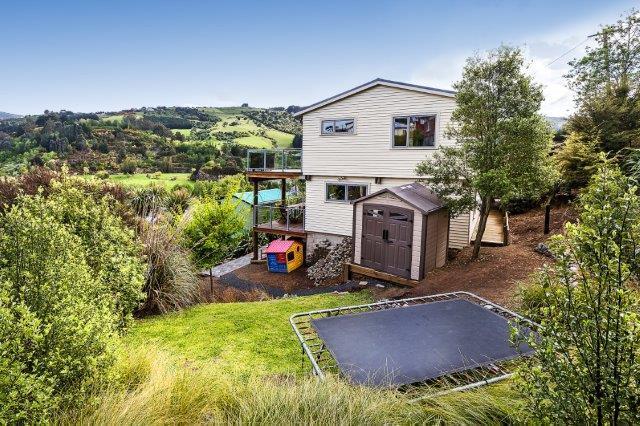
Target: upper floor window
414,131
338,127
345,192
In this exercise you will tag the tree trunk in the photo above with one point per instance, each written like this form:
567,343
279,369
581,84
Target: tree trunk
547,218
485,207
211,281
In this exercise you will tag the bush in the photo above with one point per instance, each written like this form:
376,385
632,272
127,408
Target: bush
149,200
129,166
577,161
113,254
178,200
214,232
102,174
171,282
56,326
533,298
586,366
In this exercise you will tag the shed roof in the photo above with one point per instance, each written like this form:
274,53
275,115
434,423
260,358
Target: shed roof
373,83
265,196
279,246
414,194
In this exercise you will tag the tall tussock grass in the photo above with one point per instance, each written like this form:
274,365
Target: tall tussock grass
148,388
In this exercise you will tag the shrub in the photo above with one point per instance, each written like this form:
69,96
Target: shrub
577,160
113,254
533,297
171,282
129,166
56,326
178,200
102,174
149,200
214,232
586,367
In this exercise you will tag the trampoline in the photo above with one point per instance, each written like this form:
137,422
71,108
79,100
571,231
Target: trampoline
455,339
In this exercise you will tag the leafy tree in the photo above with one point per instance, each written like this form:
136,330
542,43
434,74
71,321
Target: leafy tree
607,82
214,232
586,367
56,326
503,142
577,160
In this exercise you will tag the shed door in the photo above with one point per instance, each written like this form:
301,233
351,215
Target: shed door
387,233
372,247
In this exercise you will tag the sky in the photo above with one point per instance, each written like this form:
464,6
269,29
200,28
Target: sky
111,55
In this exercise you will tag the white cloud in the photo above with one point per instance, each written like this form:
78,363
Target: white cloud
540,50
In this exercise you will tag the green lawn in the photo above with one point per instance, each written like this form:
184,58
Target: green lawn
185,132
242,338
140,179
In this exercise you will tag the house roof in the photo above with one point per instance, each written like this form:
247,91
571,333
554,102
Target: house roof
279,246
414,194
265,196
373,83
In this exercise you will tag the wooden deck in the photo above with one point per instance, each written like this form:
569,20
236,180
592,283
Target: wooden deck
494,231
277,228
274,174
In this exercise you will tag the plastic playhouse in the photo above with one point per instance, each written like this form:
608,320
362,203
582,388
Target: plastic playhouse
284,256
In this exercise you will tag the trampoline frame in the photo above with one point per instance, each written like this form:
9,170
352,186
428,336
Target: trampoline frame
315,351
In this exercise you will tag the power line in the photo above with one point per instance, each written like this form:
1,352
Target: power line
569,51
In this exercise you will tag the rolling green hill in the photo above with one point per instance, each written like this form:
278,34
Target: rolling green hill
246,126
168,139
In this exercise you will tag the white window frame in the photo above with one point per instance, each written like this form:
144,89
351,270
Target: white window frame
408,116
355,127
346,191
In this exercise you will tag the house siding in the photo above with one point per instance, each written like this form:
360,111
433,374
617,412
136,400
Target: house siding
368,152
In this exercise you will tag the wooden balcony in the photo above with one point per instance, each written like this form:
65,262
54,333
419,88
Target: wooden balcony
265,164
280,220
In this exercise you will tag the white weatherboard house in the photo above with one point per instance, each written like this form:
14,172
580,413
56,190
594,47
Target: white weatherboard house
366,142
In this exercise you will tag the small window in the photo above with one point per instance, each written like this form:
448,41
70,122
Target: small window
399,216
345,192
415,131
290,256
337,127
375,212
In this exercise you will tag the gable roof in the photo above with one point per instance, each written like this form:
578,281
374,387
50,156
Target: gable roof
414,194
279,246
373,83
265,196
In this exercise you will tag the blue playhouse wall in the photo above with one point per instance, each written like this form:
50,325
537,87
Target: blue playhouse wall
273,264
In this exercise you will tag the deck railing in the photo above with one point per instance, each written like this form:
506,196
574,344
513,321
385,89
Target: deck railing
286,218
274,159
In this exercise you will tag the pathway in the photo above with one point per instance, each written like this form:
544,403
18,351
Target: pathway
229,266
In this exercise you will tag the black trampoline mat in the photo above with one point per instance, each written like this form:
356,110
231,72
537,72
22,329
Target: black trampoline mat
416,343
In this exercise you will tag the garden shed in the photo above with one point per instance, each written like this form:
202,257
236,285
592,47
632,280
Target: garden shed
402,231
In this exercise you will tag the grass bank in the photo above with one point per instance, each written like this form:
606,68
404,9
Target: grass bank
241,339
150,389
